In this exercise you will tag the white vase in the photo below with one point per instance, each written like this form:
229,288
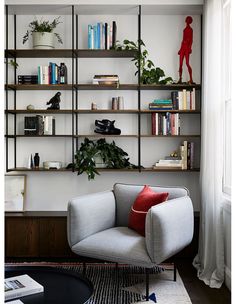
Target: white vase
43,40
99,162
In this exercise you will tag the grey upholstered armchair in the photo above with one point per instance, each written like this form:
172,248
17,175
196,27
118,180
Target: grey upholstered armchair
97,226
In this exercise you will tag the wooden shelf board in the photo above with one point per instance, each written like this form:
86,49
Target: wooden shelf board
67,53
39,86
37,111
39,170
103,135
87,53
36,53
171,136
87,111
38,136
88,86
171,111
119,170
169,170
176,86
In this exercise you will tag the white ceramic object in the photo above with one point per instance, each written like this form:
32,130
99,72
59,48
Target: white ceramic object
43,40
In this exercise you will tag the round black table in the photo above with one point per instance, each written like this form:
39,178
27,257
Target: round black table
60,286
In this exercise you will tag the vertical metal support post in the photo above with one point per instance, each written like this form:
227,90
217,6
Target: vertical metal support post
76,79
6,88
147,270
15,93
73,101
139,92
175,272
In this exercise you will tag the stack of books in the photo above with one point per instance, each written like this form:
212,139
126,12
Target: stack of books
161,104
20,286
169,164
184,100
165,123
27,79
102,36
106,79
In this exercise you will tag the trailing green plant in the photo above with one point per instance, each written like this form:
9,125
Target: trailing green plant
12,63
149,74
112,156
42,26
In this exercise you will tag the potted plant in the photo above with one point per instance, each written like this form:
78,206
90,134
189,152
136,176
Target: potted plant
91,152
149,74
42,33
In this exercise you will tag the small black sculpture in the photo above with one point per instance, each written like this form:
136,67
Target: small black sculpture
54,101
106,126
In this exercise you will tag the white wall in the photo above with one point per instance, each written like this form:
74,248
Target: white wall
162,35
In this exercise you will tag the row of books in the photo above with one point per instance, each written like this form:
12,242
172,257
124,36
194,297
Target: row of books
102,35
187,154
165,124
40,125
180,100
52,74
184,100
106,79
184,161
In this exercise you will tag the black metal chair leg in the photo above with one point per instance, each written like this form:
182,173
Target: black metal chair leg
84,268
174,272
147,270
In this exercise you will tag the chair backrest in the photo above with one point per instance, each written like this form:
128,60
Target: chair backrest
126,194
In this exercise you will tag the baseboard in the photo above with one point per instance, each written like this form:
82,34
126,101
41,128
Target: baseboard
228,277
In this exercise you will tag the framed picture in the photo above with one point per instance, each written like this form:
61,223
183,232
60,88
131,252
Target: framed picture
15,190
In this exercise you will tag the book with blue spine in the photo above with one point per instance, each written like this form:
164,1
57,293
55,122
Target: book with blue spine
90,37
98,36
95,37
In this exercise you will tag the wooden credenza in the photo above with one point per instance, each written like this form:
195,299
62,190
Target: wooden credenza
37,234
43,235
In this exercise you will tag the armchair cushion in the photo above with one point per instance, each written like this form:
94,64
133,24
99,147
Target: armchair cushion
144,201
117,244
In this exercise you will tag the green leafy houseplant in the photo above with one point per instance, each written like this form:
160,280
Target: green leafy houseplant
112,156
42,26
149,74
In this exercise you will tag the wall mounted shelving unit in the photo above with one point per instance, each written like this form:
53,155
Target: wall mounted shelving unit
75,54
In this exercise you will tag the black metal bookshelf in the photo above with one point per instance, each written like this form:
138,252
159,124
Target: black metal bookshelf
75,87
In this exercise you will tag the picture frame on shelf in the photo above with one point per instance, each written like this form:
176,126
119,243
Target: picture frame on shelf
15,192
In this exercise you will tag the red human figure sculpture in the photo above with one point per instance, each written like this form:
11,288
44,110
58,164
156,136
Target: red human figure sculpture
186,49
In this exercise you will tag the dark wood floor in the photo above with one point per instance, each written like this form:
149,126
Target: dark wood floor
198,291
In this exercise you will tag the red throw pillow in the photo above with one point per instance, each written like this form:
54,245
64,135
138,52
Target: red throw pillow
144,201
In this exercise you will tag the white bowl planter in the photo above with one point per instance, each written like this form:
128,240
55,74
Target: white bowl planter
43,40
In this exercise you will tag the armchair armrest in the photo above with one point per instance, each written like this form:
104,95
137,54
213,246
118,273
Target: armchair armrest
89,214
169,228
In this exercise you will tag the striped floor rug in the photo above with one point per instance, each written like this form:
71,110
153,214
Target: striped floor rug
126,284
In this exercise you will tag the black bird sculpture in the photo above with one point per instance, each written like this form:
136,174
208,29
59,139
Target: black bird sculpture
54,102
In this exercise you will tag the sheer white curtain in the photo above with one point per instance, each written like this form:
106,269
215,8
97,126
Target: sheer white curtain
210,258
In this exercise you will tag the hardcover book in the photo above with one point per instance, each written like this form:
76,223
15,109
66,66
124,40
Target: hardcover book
20,286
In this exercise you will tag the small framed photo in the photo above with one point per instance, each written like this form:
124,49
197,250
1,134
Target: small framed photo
15,191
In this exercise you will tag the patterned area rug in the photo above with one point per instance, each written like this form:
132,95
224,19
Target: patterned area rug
126,284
